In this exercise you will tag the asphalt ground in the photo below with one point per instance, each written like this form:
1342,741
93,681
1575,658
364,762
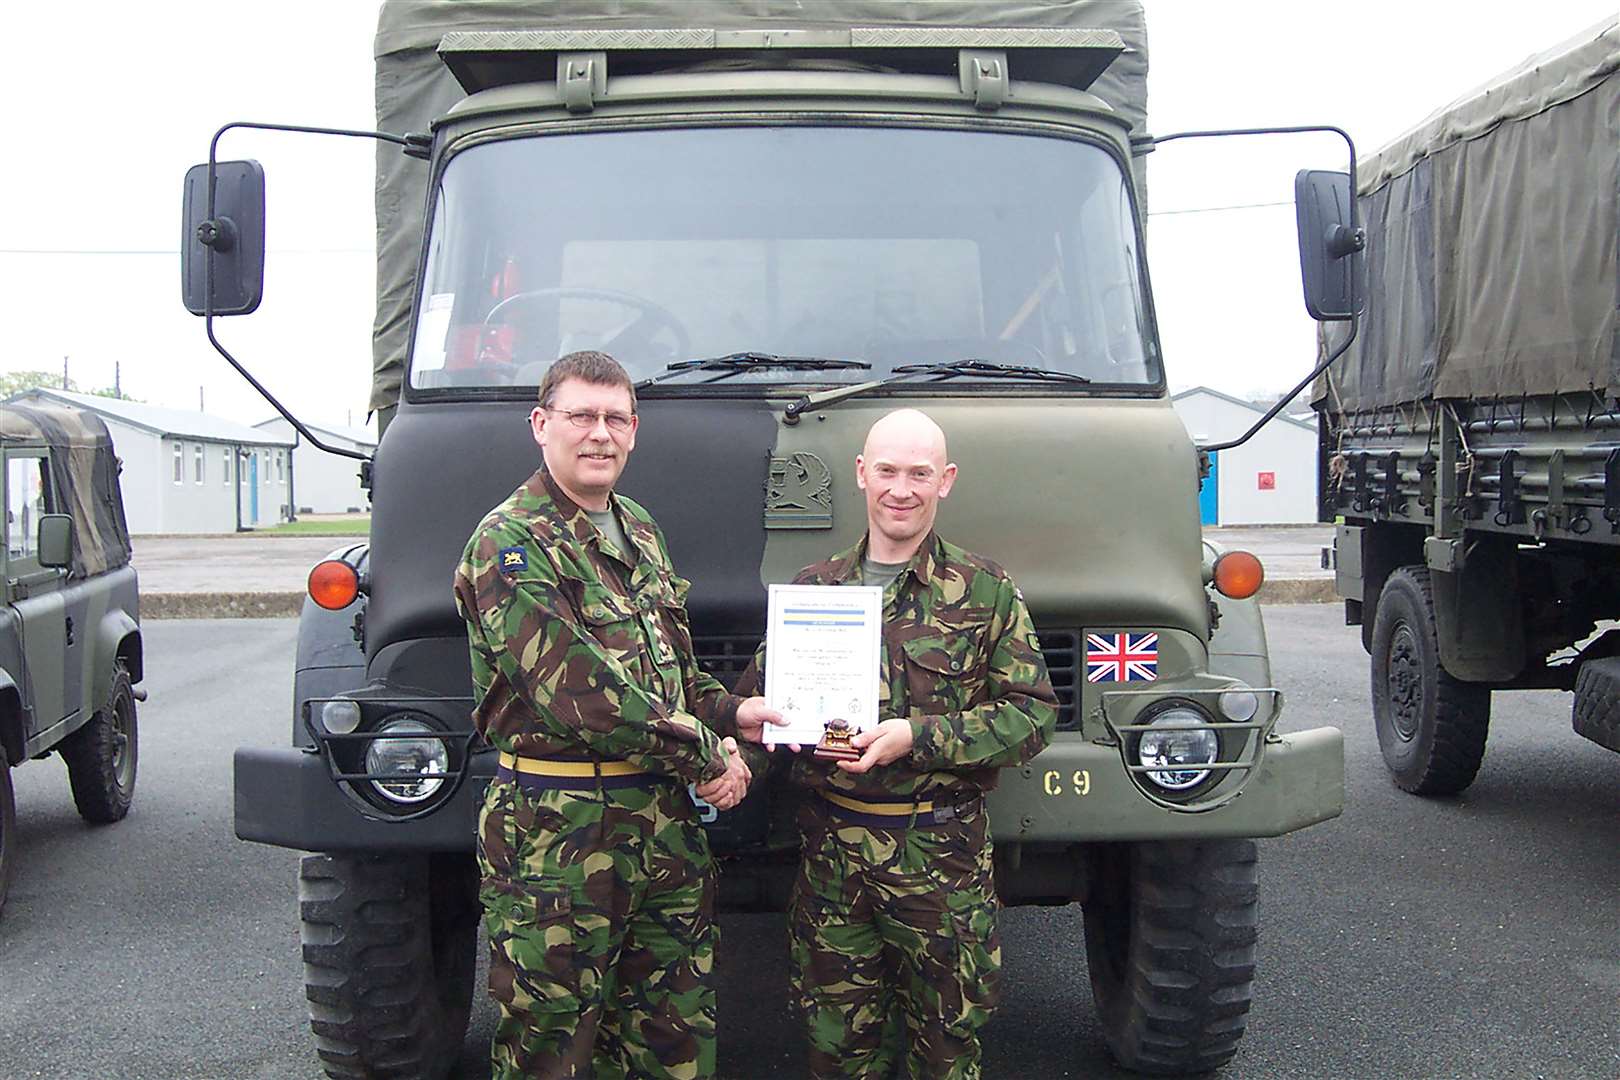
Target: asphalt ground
1468,937
250,575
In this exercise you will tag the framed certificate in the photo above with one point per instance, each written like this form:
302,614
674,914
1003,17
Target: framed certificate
823,660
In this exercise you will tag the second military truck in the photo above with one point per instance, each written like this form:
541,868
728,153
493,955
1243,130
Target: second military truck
1470,440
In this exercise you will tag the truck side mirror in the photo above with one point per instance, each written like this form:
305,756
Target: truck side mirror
55,547
229,246
1329,246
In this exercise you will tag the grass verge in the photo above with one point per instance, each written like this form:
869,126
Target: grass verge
355,526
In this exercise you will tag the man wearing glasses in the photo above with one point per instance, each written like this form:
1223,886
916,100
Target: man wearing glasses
597,883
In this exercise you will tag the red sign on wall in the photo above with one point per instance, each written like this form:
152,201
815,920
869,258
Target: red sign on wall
1268,481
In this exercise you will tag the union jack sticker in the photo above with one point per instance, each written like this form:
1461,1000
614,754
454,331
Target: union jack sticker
1122,657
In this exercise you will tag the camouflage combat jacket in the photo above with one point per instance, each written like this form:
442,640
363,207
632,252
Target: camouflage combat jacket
961,662
577,653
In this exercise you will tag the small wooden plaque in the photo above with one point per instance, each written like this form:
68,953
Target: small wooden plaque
835,743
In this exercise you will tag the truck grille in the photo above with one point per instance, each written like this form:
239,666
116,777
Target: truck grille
725,657
1062,649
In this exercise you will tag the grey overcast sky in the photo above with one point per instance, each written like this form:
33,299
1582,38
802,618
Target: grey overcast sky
112,101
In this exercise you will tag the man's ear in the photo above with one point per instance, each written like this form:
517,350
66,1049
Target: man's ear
860,472
537,426
947,479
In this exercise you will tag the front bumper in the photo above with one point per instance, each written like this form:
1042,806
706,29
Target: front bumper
1075,791
1078,790
286,797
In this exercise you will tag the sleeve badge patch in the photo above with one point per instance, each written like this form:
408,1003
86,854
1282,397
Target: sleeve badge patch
513,559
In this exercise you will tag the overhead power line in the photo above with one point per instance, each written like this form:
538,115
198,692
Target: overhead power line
368,251
1217,209
173,252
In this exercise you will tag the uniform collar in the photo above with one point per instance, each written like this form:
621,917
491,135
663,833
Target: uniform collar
573,519
846,566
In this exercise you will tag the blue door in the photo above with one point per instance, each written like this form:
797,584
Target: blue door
253,489
1209,496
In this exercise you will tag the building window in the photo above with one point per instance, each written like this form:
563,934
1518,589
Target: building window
225,465
179,463
197,459
281,467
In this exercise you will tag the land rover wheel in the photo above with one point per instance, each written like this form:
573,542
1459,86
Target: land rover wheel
390,945
1431,727
101,756
8,828
1170,941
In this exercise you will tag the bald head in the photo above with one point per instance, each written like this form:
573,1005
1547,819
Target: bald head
904,472
908,432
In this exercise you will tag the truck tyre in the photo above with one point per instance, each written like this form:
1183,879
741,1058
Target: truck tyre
1431,727
390,946
1170,942
101,756
1596,711
8,829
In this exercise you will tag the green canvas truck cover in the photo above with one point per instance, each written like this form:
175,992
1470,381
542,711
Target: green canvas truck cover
1492,241
414,87
84,475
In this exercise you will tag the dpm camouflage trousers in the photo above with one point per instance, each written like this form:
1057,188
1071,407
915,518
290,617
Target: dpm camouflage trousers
896,958
599,907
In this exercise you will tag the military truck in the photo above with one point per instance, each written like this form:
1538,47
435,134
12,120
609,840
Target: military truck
1470,438
784,225
70,635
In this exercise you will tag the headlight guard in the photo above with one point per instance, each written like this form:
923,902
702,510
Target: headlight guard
364,768
1129,715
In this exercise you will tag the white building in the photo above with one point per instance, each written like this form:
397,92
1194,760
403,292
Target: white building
327,483
188,472
1269,480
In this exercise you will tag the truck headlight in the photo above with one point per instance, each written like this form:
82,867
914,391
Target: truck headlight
409,759
1175,746
340,716
1239,705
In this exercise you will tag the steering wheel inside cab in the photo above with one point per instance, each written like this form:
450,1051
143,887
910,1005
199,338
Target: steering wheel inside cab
648,337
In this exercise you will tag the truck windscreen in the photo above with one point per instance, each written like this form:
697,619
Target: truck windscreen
884,245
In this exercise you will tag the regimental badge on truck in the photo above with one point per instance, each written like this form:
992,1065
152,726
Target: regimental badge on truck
798,493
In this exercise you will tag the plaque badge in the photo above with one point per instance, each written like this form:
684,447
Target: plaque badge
835,742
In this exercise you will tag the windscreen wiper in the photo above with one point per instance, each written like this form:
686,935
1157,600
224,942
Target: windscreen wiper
988,369
732,363
966,368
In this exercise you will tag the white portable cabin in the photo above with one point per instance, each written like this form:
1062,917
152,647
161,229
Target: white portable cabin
189,472
1269,480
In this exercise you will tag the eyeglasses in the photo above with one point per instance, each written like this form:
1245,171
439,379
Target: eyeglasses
586,419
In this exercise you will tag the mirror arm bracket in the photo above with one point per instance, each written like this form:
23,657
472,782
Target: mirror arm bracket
1346,240
219,234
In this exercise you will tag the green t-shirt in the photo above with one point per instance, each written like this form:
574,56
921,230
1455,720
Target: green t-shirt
881,574
610,528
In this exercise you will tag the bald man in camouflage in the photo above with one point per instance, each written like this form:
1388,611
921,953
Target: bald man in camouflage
597,882
896,958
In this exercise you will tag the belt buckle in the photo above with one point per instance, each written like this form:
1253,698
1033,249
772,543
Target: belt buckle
944,813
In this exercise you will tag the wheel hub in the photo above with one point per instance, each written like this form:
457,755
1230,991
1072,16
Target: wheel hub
123,762
1405,683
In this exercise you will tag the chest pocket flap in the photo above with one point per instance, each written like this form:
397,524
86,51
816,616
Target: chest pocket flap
600,606
948,654
943,671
